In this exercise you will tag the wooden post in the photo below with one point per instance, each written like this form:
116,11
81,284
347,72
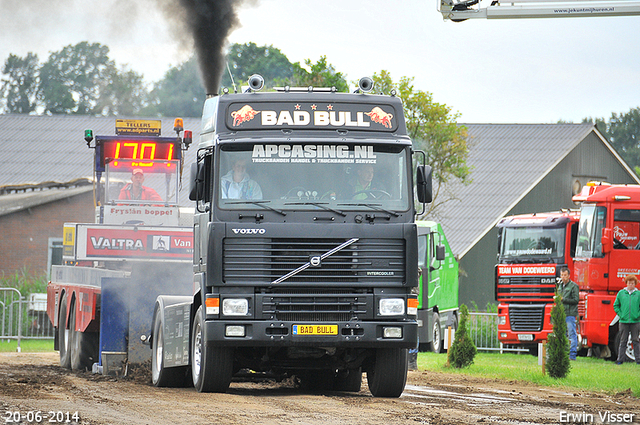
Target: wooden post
542,355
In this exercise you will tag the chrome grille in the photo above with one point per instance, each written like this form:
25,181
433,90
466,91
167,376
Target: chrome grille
307,307
526,318
526,289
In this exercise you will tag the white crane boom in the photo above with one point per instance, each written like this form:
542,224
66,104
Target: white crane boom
461,10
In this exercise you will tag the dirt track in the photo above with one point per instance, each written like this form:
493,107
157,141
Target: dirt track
35,382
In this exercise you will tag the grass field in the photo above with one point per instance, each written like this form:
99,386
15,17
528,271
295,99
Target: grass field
586,373
26,345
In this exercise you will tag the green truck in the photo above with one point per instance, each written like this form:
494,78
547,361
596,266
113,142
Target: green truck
438,284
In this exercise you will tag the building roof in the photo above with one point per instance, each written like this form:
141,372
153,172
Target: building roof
19,201
508,161
41,148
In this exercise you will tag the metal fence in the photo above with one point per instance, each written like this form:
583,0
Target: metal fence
483,330
23,317
26,318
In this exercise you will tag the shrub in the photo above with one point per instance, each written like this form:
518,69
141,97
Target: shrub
462,350
558,344
25,281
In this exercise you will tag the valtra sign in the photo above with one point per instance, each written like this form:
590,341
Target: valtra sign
104,243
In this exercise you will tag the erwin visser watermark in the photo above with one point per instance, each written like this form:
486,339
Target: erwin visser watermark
605,417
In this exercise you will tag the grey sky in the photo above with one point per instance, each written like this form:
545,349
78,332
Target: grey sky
523,71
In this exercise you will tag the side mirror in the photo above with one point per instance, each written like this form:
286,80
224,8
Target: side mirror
424,185
607,239
440,252
197,182
193,182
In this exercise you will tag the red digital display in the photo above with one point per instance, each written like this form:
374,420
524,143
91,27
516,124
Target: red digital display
138,150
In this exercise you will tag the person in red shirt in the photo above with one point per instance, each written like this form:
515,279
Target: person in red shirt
136,191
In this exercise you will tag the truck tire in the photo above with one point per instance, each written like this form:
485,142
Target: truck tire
349,380
161,376
388,376
211,367
83,346
628,352
436,335
63,334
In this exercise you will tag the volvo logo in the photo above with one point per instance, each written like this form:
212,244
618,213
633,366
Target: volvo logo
315,261
249,231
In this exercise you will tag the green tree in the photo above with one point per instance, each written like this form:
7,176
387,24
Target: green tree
558,343
462,351
180,93
320,74
623,131
433,128
247,59
125,94
20,86
72,80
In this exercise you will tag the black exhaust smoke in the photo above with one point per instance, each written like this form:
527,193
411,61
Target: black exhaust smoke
209,22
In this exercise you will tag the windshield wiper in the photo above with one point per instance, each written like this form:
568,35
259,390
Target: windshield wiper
322,205
508,259
258,203
376,207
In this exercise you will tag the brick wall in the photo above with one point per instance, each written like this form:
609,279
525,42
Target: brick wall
24,235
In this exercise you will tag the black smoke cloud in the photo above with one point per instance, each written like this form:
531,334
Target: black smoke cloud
202,25
207,23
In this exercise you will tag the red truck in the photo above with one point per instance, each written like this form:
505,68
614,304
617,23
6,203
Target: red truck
532,248
607,250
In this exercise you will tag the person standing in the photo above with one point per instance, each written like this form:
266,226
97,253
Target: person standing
627,307
570,296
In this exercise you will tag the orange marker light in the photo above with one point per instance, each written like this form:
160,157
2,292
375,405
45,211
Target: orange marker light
412,306
212,305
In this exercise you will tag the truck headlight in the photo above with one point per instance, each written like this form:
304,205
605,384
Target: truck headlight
392,306
502,320
392,332
235,307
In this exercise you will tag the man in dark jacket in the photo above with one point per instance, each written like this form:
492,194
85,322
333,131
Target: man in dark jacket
627,306
570,296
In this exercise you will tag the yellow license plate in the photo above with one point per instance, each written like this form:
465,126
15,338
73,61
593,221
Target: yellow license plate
315,329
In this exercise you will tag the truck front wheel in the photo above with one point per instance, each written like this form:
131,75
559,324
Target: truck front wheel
388,375
211,367
161,376
436,334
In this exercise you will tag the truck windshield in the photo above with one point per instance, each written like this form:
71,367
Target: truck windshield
312,176
592,221
532,244
135,182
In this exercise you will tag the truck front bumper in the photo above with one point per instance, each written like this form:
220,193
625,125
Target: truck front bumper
522,338
289,334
